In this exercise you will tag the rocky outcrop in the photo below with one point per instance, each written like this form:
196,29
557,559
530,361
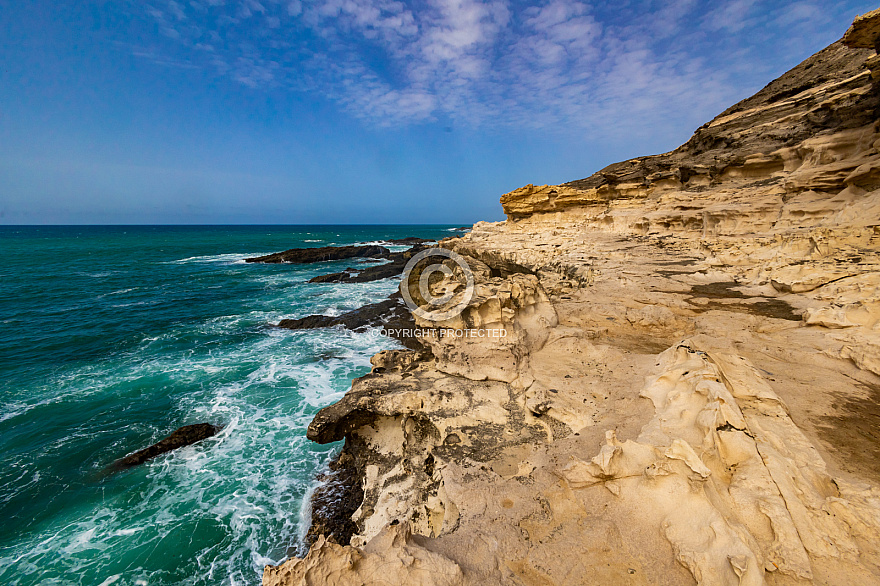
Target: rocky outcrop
393,557
815,126
321,254
409,241
181,437
687,389
864,32
390,314
395,265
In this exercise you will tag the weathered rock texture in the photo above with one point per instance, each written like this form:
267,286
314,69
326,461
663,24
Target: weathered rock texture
688,391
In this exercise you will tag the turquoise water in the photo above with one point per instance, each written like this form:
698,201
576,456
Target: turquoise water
111,338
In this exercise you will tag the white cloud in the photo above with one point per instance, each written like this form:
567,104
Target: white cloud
733,16
557,63
175,9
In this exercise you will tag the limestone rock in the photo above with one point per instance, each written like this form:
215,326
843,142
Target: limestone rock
390,558
505,320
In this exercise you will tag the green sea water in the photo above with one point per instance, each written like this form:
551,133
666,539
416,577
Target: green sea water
111,338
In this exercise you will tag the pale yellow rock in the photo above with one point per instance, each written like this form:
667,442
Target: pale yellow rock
390,558
864,31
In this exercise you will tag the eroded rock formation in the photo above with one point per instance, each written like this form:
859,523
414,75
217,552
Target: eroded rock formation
689,387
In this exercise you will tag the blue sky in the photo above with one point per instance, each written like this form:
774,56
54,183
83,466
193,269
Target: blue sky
361,111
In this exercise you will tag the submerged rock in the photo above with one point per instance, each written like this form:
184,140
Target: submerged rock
324,253
184,436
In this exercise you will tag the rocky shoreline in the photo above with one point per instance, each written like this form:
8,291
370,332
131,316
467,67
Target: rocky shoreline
687,391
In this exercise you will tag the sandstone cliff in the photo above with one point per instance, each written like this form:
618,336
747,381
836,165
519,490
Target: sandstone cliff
689,391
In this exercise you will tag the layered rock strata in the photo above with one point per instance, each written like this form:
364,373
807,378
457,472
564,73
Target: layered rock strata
689,390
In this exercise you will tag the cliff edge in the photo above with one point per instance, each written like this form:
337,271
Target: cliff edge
688,388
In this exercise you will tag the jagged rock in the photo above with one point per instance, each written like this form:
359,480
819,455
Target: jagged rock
864,32
331,277
506,320
335,501
181,437
324,253
391,314
397,262
410,240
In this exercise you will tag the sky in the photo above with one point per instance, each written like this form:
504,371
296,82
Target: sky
361,111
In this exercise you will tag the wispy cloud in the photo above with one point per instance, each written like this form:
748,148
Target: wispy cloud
557,62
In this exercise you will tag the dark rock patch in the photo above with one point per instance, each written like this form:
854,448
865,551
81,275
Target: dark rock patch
335,501
853,430
411,240
184,436
383,271
324,253
391,314
715,292
330,278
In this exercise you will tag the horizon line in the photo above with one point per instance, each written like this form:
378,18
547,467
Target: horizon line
462,224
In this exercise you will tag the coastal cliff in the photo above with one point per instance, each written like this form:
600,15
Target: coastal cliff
688,388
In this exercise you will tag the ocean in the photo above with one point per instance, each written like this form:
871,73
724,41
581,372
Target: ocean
113,337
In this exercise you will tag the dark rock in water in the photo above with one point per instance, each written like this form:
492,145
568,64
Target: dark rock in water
332,277
185,436
391,269
324,253
384,271
350,275
391,314
408,240
335,501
